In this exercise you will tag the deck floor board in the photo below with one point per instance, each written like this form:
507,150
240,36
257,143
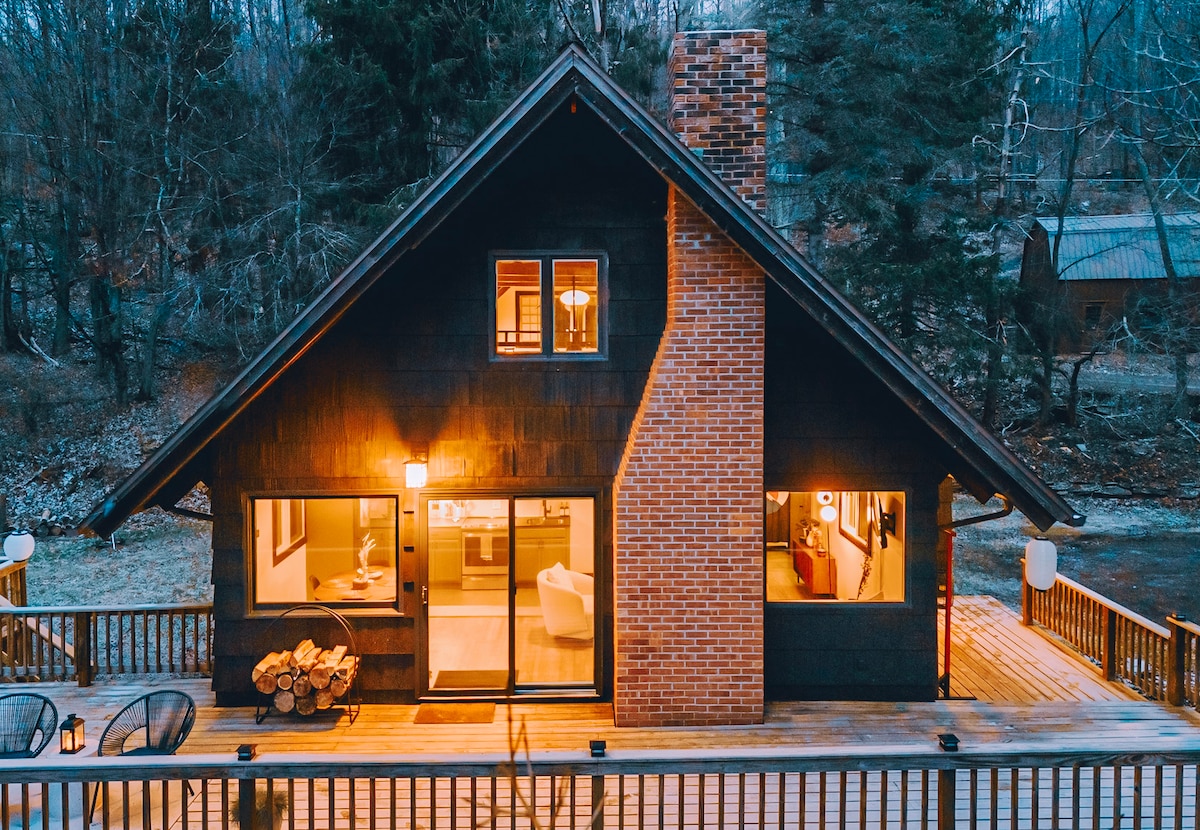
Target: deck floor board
1009,682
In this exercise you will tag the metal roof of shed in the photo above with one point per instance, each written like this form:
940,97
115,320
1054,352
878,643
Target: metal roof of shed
1124,247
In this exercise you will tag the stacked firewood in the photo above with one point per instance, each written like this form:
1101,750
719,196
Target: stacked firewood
305,678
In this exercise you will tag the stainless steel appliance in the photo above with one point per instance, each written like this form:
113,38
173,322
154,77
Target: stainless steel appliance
484,555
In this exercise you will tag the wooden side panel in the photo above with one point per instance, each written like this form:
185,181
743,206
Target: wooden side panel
409,368
831,426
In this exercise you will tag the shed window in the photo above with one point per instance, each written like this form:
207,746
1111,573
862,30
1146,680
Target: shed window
330,550
549,305
844,546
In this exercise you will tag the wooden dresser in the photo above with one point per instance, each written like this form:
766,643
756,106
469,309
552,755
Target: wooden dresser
817,570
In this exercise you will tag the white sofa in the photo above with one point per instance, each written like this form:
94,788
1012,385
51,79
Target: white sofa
567,602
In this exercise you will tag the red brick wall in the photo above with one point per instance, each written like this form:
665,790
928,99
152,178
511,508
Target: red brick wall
688,497
720,105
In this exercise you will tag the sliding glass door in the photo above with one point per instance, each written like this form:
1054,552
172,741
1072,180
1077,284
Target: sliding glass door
510,583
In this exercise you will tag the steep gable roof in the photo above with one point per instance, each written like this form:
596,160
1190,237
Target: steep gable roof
987,466
1124,247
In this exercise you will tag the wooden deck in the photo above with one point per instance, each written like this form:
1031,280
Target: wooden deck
1009,684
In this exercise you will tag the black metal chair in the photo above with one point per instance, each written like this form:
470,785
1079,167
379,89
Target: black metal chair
155,724
25,717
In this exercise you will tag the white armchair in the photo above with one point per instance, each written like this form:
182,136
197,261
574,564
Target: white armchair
567,602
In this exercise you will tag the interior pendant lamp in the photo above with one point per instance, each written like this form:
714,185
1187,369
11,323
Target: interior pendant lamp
416,471
1041,563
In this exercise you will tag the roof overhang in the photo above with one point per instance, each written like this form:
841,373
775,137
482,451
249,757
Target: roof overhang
985,465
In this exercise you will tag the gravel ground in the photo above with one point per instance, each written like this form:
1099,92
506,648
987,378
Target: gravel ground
1144,555
160,558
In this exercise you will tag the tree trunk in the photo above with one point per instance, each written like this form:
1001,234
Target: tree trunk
107,339
158,319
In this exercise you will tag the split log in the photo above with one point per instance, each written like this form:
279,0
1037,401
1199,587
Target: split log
282,667
302,648
285,701
285,681
310,658
334,656
266,683
324,698
347,668
306,705
261,667
319,674
301,685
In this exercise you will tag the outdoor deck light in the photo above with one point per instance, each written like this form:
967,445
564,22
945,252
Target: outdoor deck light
597,748
416,472
70,735
19,545
1041,563
948,742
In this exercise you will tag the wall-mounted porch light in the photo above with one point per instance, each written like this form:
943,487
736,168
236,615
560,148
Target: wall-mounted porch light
70,735
416,471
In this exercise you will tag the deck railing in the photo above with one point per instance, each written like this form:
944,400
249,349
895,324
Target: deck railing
1158,661
1000,785
84,643
12,583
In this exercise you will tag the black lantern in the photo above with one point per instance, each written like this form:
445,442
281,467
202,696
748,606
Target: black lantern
70,735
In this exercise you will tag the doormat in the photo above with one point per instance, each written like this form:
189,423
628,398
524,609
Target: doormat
497,679
455,713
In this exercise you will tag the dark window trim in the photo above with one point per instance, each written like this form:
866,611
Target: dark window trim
848,603
547,257
260,610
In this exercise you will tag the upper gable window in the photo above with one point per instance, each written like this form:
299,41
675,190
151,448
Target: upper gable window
549,304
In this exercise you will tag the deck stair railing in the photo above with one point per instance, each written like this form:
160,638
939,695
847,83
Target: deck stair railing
82,643
991,786
1158,661
12,583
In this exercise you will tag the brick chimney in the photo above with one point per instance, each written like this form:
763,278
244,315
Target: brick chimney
688,498
719,105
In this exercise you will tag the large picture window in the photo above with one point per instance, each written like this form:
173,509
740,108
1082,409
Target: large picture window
835,546
549,305
333,550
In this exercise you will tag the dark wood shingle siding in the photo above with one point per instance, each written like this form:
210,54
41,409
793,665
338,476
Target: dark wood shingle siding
831,425
410,365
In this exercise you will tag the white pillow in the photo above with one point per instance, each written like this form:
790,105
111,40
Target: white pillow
556,574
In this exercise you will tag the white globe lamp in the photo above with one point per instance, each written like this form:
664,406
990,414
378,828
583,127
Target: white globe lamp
18,546
1041,563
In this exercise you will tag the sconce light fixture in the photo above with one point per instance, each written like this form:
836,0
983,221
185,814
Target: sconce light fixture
827,512
70,735
416,471
824,497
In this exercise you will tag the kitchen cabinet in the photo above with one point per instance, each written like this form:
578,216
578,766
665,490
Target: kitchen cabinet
539,546
445,556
